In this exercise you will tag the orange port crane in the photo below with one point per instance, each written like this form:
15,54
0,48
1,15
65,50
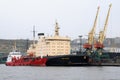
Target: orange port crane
88,45
99,43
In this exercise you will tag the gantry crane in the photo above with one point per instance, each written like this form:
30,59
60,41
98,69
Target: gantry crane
102,34
88,45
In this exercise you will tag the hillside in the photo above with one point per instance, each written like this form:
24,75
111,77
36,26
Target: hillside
7,45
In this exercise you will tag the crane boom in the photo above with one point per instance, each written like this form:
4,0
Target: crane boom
102,33
92,32
88,45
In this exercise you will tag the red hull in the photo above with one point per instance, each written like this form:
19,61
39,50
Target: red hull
26,61
38,62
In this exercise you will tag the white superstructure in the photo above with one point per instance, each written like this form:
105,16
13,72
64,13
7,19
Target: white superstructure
12,55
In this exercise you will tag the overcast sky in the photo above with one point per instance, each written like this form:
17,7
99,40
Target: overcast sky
75,17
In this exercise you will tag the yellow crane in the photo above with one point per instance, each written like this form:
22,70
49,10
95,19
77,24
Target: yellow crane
99,44
91,34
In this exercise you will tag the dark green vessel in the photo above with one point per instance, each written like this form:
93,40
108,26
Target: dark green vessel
3,58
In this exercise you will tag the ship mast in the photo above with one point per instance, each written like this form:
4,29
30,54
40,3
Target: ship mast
14,47
56,29
33,36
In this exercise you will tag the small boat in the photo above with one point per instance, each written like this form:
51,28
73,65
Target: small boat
16,58
3,58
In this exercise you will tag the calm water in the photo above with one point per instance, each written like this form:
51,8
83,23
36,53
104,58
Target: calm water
59,73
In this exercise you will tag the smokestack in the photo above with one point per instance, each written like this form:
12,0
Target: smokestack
40,35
